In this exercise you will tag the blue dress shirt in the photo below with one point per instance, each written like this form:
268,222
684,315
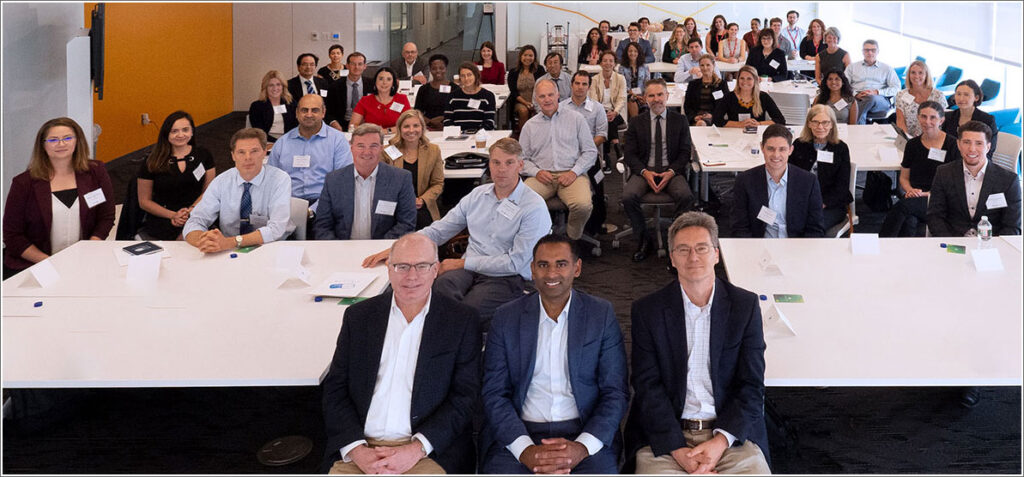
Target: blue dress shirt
777,202
270,193
328,150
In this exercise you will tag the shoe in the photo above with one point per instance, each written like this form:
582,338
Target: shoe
970,397
642,250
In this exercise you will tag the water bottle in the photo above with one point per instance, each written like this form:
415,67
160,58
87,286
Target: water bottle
984,231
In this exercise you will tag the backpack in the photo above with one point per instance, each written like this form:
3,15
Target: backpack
878,191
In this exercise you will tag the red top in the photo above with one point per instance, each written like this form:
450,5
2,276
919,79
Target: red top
493,75
751,40
381,114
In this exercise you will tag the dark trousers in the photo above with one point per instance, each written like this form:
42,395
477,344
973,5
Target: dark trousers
600,211
423,218
904,217
834,216
613,128
637,187
480,291
499,460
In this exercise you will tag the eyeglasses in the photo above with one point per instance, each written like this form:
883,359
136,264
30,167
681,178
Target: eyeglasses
821,124
54,140
870,50
701,249
407,267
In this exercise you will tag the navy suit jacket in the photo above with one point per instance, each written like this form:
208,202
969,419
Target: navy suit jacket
659,368
445,388
948,215
804,217
677,137
597,367
645,49
297,87
335,210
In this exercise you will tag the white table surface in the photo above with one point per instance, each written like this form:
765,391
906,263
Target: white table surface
791,65
215,321
914,315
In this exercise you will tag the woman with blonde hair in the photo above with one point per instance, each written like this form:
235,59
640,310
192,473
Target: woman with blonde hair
702,94
819,150
746,105
675,47
422,158
919,89
274,109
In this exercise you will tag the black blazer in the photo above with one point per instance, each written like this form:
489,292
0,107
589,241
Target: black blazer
638,142
446,387
513,83
261,115
337,100
691,101
804,217
298,89
951,125
763,65
418,66
833,178
659,368
728,109
948,215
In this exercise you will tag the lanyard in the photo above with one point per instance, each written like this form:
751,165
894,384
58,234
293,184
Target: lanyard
792,35
731,51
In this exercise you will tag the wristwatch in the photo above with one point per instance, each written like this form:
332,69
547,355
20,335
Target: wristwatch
238,241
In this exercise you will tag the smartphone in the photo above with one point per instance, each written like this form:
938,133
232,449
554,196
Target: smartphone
143,248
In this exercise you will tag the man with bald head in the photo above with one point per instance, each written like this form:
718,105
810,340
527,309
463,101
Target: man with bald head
405,375
410,66
308,152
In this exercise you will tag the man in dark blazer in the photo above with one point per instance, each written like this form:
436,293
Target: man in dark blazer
340,101
698,366
646,50
386,209
790,206
298,86
410,66
952,212
655,166
405,378
555,385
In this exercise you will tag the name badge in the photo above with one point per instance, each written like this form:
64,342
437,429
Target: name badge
717,94
474,104
258,220
199,171
445,89
405,85
397,107
635,90
840,105
323,92
936,154
281,108
343,72
743,116
995,201
588,107
507,209
773,64
393,152
825,156
480,67
766,215
96,197
598,177
300,161
386,207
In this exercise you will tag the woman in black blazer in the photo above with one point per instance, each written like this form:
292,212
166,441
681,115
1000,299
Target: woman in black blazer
521,95
748,99
766,52
274,111
968,97
821,134
702,94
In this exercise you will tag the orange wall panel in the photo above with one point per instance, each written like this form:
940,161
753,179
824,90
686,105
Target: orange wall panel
161,57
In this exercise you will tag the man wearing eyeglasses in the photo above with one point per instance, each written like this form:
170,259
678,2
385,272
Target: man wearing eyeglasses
873,82
698,366
405,373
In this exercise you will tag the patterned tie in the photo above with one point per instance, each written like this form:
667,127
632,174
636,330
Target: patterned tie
309,87
244,210
354,96
657,143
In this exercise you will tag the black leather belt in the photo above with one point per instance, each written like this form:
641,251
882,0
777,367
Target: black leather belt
696,424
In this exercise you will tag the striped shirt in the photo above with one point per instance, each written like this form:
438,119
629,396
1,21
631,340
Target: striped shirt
878,76
470,117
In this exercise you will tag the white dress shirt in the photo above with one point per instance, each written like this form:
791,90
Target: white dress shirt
362,216
652,161
389,415
549,397
973,186
700,397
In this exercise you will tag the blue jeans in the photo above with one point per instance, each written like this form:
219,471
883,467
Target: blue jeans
871,104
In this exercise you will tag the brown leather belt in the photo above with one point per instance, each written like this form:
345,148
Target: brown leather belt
696,424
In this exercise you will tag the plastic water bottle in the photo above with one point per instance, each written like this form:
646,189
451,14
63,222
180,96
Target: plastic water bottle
984,231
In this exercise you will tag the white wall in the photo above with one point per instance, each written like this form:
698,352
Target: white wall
270,36
35,85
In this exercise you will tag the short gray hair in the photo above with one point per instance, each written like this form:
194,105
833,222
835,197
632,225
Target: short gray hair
834,32
368,128
871,42
694,219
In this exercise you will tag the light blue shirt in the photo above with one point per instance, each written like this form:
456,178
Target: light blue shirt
270,194
878,76
687,63
777,202
561,142
595,116
328,150
502,233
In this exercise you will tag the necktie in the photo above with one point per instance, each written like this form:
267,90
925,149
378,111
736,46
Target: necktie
658,148
309,87
354,96
244,210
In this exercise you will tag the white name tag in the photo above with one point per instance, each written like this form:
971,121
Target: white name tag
323,92
598,177
474,104
393,152
385,207
451,131
95,198
936,154
343,72
445,88
258,220
588,107
995,201
766,215
743,116
281,108
480,67
300,161
199,171
635,90
404,85
717,94
143,270
507,209
773,64
840,105
825,156
397,107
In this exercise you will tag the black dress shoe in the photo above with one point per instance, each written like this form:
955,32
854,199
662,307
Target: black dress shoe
642,251
970,397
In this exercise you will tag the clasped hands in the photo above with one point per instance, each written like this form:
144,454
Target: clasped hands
214,241
386,460
702,458
181,216
553,456
565,179
657,181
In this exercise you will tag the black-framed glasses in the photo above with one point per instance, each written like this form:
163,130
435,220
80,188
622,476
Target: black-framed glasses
701,249
53,141
422,267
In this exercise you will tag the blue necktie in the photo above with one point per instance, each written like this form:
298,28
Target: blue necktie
309,87
244,210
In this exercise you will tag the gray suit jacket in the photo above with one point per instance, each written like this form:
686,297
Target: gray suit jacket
335,210
948,215
398,64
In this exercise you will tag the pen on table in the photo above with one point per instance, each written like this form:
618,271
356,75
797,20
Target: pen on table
718,145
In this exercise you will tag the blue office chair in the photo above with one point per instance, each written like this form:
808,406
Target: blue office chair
951,103
1012,129
921,59
901,73
1006,117
947,80
990,90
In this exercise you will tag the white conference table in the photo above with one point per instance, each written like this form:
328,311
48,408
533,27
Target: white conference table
914,315
215,320
791,65
677,91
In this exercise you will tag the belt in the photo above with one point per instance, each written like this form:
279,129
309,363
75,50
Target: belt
696,424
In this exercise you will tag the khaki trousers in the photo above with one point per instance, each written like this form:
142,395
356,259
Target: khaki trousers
426,465
745,459
576,197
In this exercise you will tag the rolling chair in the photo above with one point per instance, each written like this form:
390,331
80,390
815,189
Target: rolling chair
299,214
793,107
947,80
1007,153
989,91
650,199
